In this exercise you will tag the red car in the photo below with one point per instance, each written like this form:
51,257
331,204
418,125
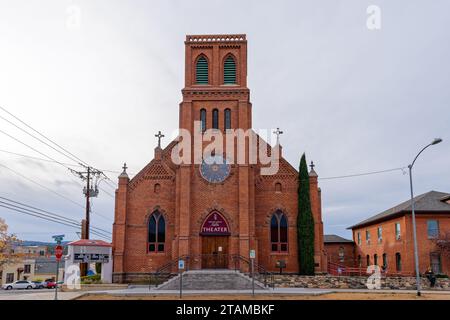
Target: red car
51,284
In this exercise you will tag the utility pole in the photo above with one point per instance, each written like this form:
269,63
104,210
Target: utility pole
88,209
90,190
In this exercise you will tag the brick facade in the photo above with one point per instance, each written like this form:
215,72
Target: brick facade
401,245
245,199
339,251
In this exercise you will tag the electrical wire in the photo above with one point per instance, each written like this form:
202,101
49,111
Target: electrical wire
49,213
43,217
52,191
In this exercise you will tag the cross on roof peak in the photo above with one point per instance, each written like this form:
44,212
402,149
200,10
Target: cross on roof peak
278,132
159,135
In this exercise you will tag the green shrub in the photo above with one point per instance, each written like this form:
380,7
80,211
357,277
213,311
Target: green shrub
94,279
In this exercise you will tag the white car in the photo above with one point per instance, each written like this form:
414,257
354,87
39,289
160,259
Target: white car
20,284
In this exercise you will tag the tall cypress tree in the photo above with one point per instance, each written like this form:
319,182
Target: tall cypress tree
305,222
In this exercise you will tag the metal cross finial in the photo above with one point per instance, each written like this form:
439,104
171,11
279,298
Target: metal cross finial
124,167
312,165
159,136
278,132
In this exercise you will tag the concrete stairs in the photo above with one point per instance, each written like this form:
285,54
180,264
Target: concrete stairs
211,280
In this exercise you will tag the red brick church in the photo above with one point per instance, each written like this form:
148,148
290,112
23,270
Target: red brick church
211,211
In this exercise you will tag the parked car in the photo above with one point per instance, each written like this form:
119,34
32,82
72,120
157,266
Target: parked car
19,284
40,284
50,284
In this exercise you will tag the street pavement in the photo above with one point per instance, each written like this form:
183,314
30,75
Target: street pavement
145,290
42,294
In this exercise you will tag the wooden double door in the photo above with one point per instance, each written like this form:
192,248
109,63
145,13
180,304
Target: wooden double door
215,252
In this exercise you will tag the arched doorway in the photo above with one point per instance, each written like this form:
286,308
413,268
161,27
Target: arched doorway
215,234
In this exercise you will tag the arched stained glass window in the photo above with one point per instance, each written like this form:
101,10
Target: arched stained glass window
201,74
215,119
227,119
203,119
156,232
279,232
229,70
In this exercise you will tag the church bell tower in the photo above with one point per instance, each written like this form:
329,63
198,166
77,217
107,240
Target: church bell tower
216,96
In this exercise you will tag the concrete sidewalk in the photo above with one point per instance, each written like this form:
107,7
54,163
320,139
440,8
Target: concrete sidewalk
145,291
41,296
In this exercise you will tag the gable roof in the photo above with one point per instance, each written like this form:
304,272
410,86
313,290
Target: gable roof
90,243
332,238
432,201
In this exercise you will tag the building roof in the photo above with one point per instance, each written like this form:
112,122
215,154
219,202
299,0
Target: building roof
332,238
90,243
430,202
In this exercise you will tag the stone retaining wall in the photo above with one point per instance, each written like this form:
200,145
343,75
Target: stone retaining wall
356,282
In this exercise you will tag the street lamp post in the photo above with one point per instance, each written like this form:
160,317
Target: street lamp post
413,215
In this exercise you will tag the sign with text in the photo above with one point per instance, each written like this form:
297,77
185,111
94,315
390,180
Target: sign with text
215,225
91,257
181,264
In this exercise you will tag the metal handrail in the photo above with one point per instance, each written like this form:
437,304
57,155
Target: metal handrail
334,268
268,278
164,273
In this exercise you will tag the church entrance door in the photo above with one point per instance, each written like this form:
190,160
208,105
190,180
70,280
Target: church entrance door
214,252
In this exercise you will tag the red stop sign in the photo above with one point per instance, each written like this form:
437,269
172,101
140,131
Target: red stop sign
58,252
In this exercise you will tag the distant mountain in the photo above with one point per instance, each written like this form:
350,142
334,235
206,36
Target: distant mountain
40,243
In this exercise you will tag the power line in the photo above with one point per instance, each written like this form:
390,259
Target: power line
40,159
42,135
43,217
42,186
52,191
23,143
38,216
40,140
363,174
85,164
67,164
49,213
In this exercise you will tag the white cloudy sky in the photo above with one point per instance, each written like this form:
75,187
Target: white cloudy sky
353,99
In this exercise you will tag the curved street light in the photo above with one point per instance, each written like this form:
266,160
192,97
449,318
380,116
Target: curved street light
416,254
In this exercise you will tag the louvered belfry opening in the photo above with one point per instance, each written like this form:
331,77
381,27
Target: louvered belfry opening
202,71
229,71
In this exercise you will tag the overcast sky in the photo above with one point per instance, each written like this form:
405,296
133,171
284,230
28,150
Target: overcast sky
101,77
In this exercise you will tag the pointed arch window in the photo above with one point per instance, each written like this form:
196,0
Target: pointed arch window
279,232
156,232
215,119
229,70
201,71
227,119
203,119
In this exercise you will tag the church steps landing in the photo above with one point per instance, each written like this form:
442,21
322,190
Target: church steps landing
211,280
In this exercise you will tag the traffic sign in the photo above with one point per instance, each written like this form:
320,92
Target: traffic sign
252,254
181,264
58,252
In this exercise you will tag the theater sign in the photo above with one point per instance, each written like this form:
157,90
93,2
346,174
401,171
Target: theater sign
215,225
